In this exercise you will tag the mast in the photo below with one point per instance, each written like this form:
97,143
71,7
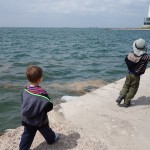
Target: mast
149,11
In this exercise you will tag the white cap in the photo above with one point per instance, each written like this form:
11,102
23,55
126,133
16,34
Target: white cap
139,47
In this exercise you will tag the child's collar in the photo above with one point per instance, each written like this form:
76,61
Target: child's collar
31,85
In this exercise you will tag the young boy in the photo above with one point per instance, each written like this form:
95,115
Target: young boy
35,105
136,62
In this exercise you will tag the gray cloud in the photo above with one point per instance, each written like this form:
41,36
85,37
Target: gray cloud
69,9
68,6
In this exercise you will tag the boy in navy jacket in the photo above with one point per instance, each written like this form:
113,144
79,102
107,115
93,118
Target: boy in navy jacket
35,106
136,61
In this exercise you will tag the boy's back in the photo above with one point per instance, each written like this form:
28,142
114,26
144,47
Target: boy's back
34,109
136,64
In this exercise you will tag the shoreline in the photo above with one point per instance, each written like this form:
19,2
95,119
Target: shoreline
142,29
95,121
57,91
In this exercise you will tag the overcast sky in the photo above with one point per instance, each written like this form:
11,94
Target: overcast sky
73,13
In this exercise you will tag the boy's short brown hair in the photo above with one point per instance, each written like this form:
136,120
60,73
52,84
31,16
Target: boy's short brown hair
34,73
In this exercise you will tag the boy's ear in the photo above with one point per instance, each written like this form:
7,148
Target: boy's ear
41,79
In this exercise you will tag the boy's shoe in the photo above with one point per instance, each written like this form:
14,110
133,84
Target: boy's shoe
126,105
119,99
56,136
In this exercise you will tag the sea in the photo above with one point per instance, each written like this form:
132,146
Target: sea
75,61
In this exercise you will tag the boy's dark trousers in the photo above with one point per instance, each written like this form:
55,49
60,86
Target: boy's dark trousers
130,87
29,134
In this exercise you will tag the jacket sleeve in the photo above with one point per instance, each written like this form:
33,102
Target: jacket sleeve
48,107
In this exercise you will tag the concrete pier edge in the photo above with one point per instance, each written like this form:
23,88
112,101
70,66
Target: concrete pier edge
95,122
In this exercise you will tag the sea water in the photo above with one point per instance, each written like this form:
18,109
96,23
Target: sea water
74,60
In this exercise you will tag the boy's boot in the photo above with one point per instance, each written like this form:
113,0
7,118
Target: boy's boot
126,103
119,99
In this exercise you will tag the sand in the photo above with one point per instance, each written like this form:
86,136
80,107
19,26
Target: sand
95,122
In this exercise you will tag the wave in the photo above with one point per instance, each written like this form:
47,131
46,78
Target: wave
78,87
